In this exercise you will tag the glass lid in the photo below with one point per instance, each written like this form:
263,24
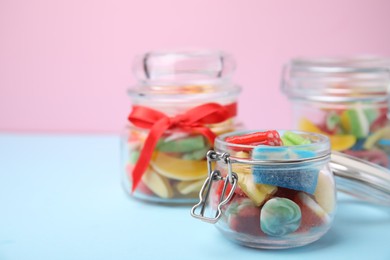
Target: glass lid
361,179
337,79
184,74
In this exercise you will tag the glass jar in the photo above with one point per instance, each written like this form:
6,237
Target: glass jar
345,99
182,101
276,197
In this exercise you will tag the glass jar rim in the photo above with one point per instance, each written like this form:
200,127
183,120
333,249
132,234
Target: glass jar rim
348,79
321,147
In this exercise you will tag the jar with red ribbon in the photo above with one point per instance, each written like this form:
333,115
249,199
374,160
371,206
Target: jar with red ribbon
182,101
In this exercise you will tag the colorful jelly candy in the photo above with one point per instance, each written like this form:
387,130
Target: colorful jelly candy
297,178
313,215
178,162
376,137
332,122
196,155
184,145
158,184
279,217
244,217
338,142
188,187
355,122
356,130
325,193
271,137
294,139
178,169
258,193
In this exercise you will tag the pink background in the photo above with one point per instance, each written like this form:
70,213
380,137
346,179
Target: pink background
65,65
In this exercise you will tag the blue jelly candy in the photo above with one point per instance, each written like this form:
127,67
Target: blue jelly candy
359,144
297,177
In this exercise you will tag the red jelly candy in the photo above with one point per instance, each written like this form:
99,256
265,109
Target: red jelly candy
245,218
270,137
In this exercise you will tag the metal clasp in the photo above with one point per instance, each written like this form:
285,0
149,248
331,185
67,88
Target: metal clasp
215,176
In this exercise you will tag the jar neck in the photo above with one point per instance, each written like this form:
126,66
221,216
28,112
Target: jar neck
342,105
175,105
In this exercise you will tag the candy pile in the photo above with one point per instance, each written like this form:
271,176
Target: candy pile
177,168
276,201
360,131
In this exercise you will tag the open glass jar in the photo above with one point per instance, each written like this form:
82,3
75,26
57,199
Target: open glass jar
345,99
278,197
183,100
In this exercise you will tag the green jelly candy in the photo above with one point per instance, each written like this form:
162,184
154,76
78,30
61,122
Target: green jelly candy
371,114
183,145
286,142
133,156
196,155
355,122
295,139
332,120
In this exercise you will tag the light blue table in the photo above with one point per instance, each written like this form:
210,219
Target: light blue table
61,198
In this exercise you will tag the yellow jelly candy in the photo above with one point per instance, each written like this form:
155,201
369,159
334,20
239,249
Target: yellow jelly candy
338,142
258,193
342,142
325,193
242,168
307,125
178,169
158,184
375,137
187,187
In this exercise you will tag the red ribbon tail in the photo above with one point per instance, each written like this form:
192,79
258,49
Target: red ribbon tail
147,151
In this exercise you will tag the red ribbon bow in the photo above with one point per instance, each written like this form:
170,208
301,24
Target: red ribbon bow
193,120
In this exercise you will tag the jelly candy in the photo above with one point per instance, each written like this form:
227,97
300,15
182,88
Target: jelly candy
357,131
280,153
258,193
297,178
185,145
187,187
196,155
342,142
338,142
355,122
331,122
288,177
158,184
295,139
312,214
280,216
178,169
271,137
244,217
376,136
324,194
